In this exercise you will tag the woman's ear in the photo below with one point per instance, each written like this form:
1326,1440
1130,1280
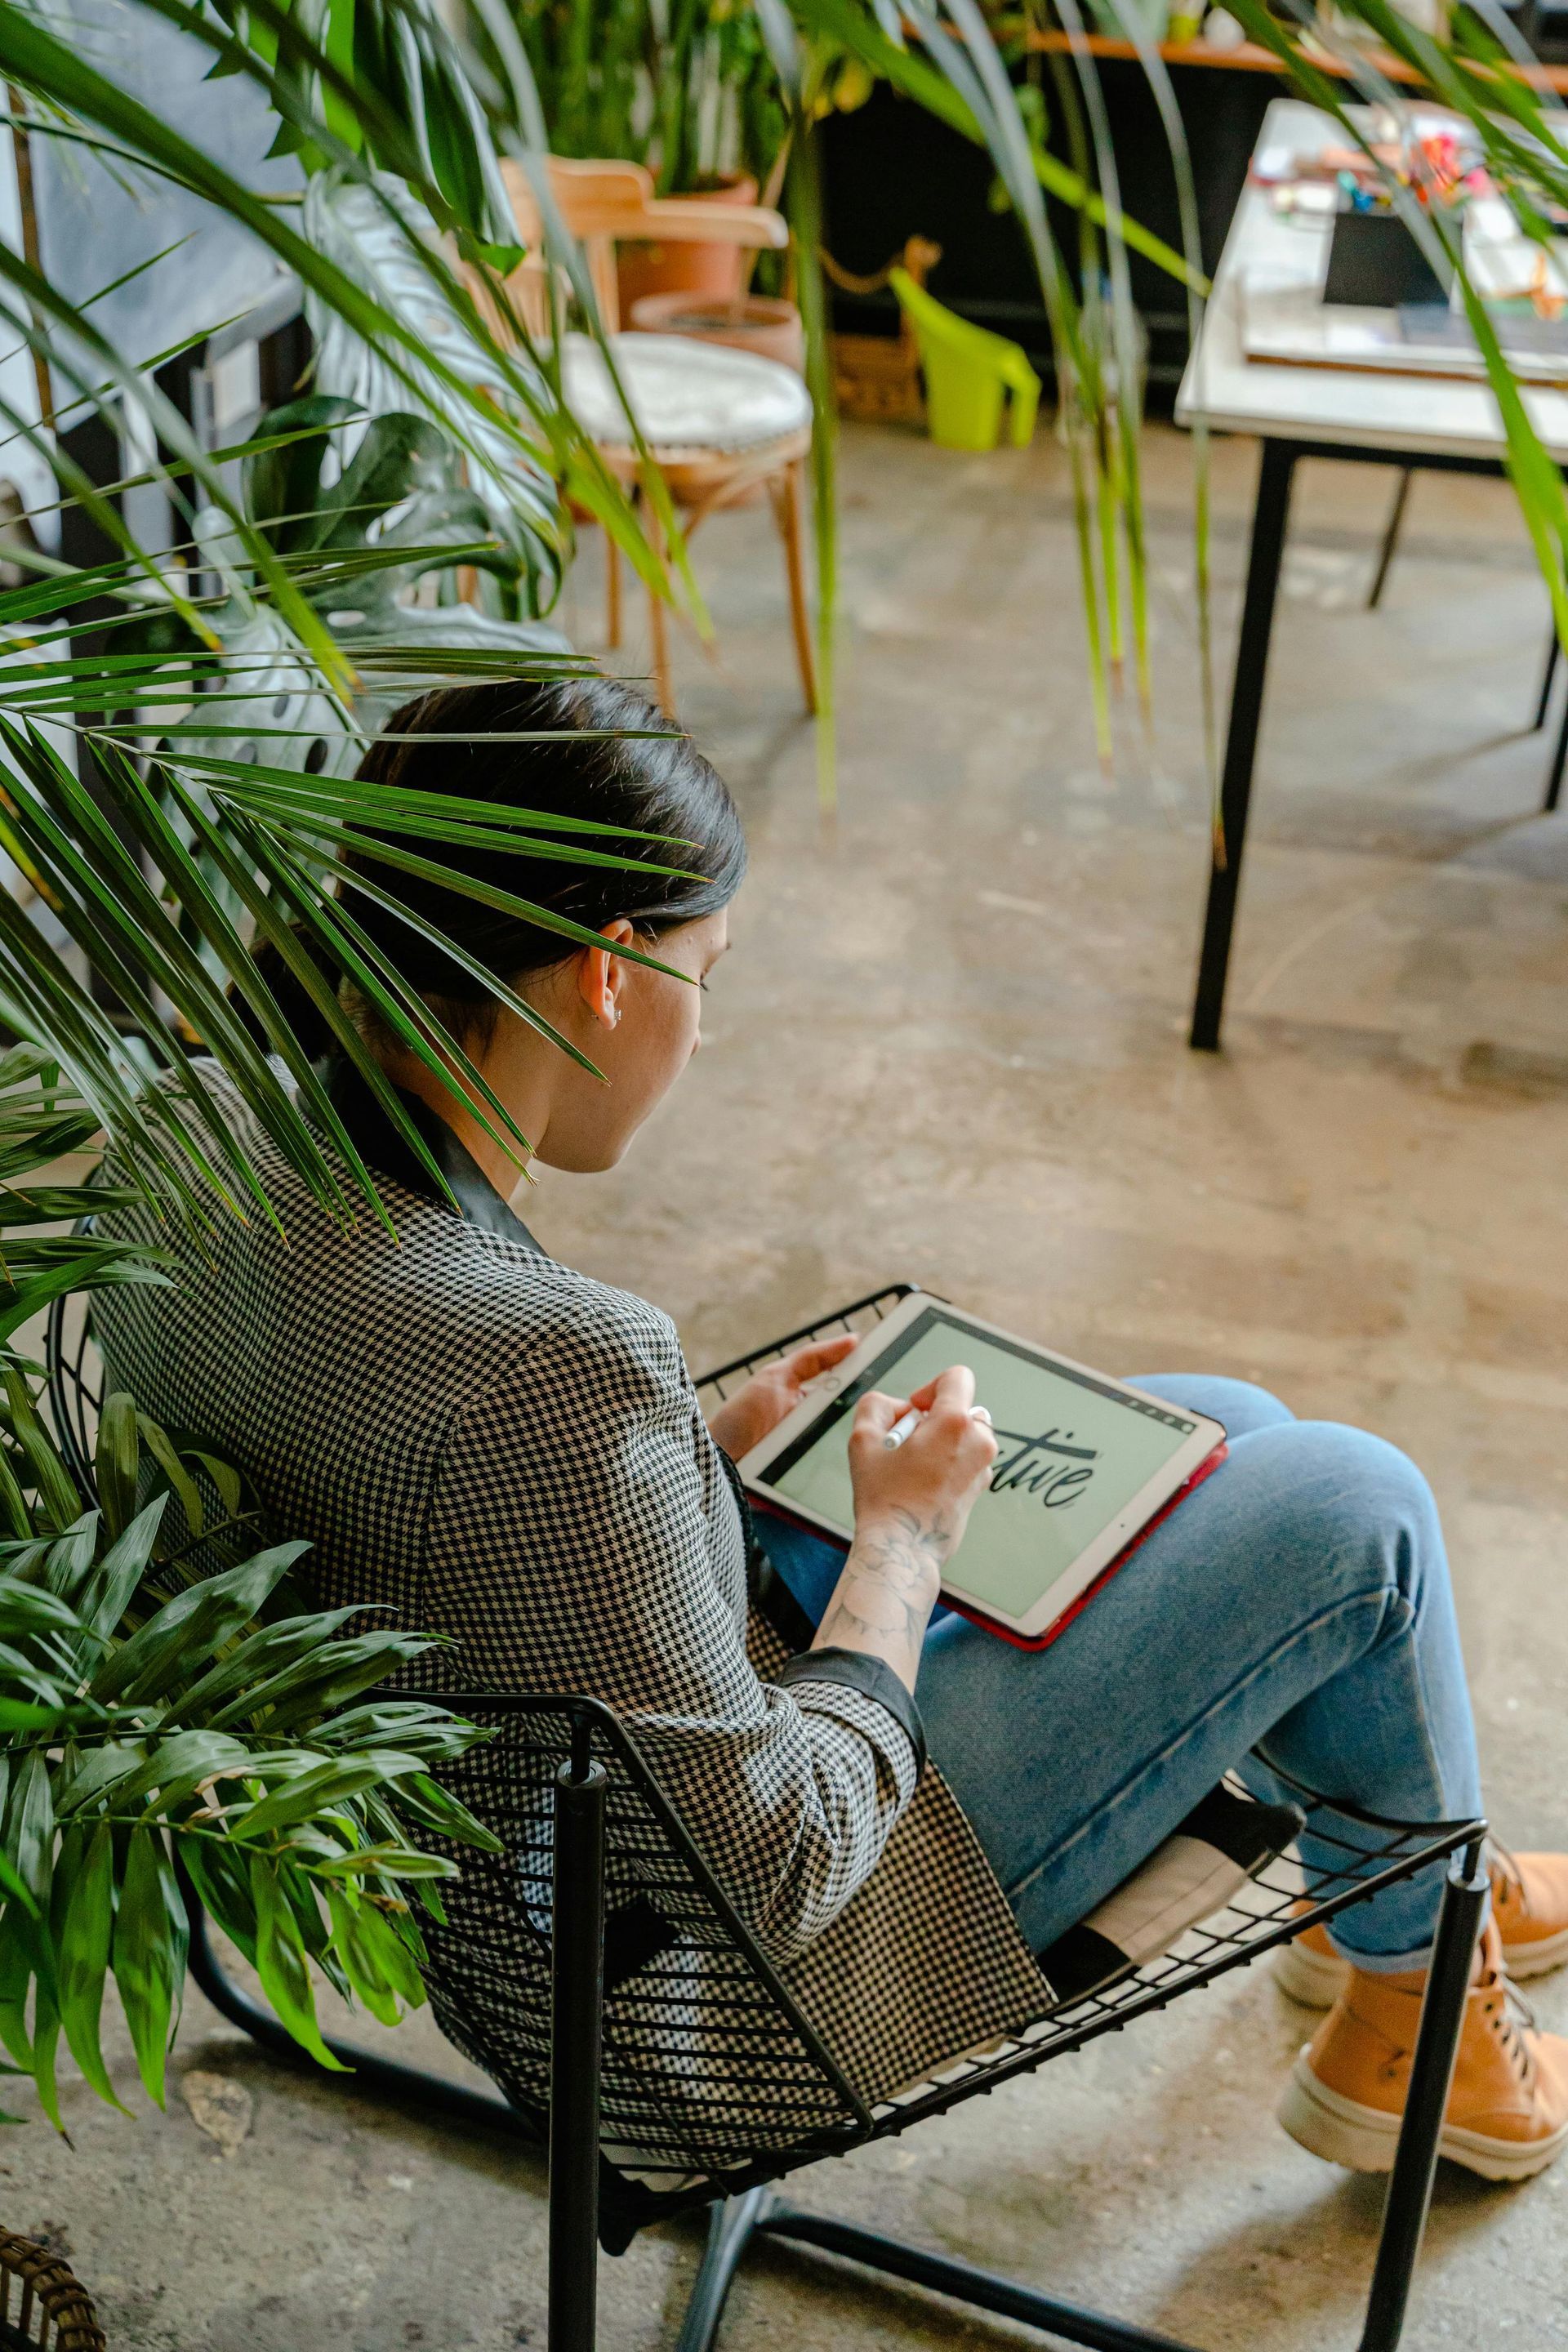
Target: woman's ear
601,973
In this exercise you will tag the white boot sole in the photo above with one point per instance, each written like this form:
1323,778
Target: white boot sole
1317,1980
1363,2139
1538,1959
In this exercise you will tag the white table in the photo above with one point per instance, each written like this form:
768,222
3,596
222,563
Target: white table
1439,424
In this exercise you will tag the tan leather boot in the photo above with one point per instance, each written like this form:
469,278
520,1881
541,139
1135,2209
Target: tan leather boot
1506,2116
1530,1904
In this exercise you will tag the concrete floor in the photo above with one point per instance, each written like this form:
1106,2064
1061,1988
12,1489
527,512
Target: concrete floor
950,1044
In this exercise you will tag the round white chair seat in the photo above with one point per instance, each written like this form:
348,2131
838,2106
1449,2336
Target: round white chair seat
687,396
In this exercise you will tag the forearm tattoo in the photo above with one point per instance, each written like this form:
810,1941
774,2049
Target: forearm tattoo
887,1591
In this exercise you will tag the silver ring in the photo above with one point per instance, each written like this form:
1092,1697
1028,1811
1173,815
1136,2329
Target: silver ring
978,1412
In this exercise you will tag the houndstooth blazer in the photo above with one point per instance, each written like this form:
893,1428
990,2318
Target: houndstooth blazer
512,1455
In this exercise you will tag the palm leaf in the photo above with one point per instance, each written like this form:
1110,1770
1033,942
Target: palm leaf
93,854
35,60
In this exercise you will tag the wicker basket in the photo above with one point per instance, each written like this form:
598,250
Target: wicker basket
42,2303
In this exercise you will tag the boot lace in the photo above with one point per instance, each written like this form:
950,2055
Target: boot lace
1502,1865
1516,2022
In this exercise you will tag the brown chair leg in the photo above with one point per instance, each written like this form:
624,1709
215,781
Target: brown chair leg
657,614
788,493
612,591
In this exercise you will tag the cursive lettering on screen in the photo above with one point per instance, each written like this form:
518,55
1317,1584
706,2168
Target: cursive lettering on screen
1048,1466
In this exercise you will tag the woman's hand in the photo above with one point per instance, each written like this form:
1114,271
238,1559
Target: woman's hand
929,1484
755,1411
912,1505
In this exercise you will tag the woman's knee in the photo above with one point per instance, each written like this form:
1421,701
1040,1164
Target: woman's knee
1241,1406
1351,1509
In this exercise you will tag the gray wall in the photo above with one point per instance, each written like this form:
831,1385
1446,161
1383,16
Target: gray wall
94,224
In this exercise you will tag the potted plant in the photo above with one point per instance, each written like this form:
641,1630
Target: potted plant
688,90
171,1707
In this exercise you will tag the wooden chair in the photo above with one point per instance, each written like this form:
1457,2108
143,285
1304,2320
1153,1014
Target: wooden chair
723,425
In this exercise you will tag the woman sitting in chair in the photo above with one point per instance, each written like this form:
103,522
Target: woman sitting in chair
907,1815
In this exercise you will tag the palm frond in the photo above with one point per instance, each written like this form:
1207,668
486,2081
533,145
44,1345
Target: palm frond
157,872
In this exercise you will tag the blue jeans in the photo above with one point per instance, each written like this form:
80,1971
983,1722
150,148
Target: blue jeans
1295,1611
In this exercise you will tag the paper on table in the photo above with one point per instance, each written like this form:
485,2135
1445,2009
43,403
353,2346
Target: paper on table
1292,326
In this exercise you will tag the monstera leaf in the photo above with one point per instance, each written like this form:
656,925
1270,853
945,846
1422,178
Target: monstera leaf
403,487
370,230
397,514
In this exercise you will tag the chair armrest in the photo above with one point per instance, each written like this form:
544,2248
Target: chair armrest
686,220
616,201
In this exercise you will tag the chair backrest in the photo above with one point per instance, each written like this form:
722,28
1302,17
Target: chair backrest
710,2066
604,205
527,291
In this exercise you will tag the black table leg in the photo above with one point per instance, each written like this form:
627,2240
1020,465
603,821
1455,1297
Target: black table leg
1554,773
1269,522
1547,675
1391,532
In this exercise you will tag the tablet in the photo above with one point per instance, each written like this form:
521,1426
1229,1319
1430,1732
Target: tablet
1086,1465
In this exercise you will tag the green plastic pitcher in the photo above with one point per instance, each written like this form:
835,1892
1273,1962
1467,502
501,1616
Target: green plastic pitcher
968,370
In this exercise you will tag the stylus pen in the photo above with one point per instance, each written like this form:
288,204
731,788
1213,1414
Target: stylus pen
908,1422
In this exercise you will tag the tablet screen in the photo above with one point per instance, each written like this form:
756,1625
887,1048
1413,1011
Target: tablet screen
1074,1452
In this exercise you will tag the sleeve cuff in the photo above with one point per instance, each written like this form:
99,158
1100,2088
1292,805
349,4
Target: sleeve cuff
873,1677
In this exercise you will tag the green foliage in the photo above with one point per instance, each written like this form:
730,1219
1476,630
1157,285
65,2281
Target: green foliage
416,137
398,512
1520,131
186,828
146,872
166,1704
390,95
975,64
686,87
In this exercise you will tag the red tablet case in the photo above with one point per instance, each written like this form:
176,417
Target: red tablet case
768,1506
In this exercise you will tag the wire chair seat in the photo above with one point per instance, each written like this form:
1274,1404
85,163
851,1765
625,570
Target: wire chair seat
714,2079
709,2080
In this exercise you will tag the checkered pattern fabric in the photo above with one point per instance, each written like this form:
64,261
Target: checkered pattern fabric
505,1452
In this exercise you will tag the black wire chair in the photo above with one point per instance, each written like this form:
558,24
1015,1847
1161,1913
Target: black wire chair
740,2090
